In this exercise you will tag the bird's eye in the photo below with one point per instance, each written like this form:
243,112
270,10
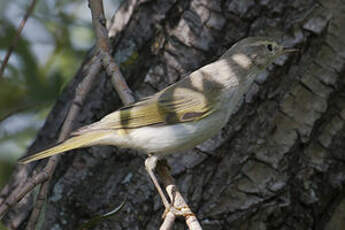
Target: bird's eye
270,47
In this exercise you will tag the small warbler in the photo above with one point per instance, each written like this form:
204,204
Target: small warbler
182,115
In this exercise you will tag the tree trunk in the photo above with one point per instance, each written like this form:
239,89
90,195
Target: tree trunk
278,164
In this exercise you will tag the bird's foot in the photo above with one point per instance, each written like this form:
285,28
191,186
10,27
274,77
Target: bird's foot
178,211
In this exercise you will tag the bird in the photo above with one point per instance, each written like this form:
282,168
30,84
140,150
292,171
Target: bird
182,115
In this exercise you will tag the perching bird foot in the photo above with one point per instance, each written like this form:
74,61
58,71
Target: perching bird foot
150,165
181,211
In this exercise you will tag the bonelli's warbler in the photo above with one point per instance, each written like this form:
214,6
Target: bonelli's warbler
184,114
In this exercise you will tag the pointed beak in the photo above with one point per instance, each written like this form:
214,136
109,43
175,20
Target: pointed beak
292,50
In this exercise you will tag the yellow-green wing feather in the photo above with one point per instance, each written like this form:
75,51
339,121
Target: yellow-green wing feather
175,104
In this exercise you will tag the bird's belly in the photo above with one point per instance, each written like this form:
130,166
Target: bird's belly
174,138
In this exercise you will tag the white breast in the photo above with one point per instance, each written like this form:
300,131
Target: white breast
167,139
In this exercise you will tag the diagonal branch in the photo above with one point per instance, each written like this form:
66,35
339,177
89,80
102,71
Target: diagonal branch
177,200
46,173
16,37
81,92
103,44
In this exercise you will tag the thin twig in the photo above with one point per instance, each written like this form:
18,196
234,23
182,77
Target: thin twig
45,174
81,92
20,192
18,32
176,198
17,110
168,222
99,23
38,205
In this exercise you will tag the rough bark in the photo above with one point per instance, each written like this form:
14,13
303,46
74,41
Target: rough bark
279,163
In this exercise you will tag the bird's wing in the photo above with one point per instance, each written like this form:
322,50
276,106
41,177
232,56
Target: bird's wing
175,104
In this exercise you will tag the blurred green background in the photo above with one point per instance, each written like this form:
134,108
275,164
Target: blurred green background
52,46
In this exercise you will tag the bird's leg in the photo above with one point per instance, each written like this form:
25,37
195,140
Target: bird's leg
150,165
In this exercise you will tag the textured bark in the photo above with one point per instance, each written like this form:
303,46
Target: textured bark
279,163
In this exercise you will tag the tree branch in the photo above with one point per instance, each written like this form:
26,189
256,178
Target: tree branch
103,44
81,92
176,198
48,171
16,37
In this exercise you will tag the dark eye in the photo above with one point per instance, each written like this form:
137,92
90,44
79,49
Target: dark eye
269,47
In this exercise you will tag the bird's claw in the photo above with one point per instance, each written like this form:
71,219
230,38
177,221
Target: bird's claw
178,211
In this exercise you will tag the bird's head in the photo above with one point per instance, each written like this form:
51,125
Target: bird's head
255,52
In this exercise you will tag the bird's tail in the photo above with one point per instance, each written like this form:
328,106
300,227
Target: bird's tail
83,140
